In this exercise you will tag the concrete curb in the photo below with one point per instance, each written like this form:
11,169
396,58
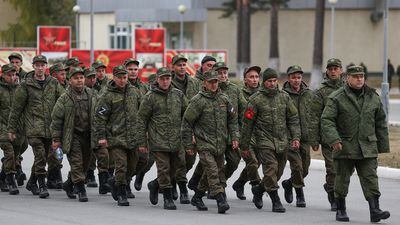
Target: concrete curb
394,123
383,172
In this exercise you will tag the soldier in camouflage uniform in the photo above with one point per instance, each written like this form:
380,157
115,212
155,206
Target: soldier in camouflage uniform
59,72
35,99
16,59
354,125
270,117
160,117
132,66
10,149
70,129
101,76
71,63
333,81
300,159
211,117
207,64
115,124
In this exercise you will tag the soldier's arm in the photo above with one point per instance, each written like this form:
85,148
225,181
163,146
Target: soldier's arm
233,125
185,104
57,121
102,116
249,117
59,90
318,106
329,132
144,114
192,113
241,106
17,108
381,130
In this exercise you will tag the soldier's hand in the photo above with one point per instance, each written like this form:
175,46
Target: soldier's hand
235,145
315,148
55,145
11,136
103,143
296,144
143,150
245,153
337,146
190,151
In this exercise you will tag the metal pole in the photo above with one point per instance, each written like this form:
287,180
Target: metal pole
77,30
205,35
332,34
91,33
385,84
181,33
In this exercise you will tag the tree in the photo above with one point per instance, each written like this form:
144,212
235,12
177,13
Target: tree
316,77
22,33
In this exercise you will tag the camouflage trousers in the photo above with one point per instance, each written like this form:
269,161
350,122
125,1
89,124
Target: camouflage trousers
366,171
213,177
101,155
273,165
9,159
79,157
43,155
299,164
329,167
125,164
250,171
167,163
184,167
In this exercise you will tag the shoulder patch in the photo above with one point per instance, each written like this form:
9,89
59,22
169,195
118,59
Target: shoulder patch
102,110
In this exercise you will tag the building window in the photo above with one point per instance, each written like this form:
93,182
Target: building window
120,36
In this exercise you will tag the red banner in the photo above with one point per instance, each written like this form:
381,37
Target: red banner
110,58
149,40
54,39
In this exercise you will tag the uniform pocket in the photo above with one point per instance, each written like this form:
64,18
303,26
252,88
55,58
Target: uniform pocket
372,138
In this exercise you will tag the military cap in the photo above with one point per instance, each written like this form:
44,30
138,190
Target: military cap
248,69
220,65
178,57
7,68
39,58
97,64
334,62
57,67
74,71
163,71
208,58
294,69
269,73
73,61
131,60
15,55
355,70
211,75
119,71
89,72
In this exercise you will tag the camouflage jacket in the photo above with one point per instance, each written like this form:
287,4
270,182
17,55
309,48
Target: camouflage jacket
359,123
199,75
270,116
247,92
160,116
235,96
190,87
210,117
100,84
143,88
116,116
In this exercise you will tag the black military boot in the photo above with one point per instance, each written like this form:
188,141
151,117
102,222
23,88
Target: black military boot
90,179
111,172
51,179
198,201
104,187
129,193
59,180
68,187
20,176
43,192
82,192
153,188
12,187
300,201
139,181
258,191
122,199
184,197
376,214
114,188
193,182
3,182
238,187
31,185
276,202
222,203
168,201
331,198
174,190
288,188
341,214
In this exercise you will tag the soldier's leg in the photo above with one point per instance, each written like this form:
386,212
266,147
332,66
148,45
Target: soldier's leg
19,149
344,169
140,175
75,159
163,169
54,177
212,173
190,160
121,167
40,156
196,176
281,158
111,165
232,158
133,159
9,167
329,166
180,177
102,157
90,178
305,158
296,168
249,173
366,171
181,167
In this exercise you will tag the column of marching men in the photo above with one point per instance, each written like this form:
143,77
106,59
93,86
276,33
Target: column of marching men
122,126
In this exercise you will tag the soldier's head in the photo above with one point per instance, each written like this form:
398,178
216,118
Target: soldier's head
163,78
76,79
207,63
179,65
71,63
39,64
251,76
59,71
295,76
90,77
9,75
210,82
15,59
132,65
334,69
222,71
120,76
270,78
355,77
100,69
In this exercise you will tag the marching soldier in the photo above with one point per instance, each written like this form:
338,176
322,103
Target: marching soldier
132,66
101,76
16,59
59,72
